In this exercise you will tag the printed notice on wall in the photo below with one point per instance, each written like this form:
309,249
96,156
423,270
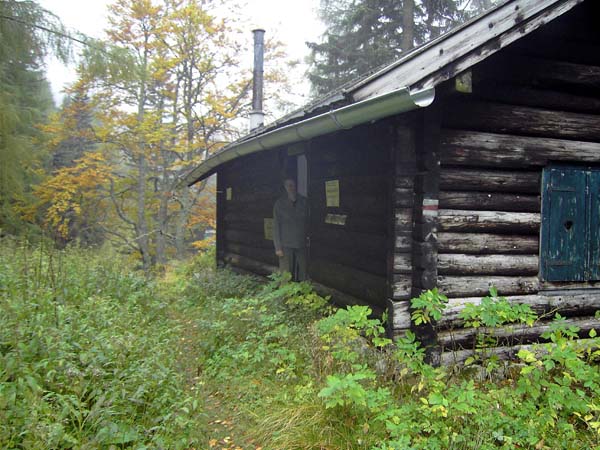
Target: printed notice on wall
228,193
336,219
268,226
332,193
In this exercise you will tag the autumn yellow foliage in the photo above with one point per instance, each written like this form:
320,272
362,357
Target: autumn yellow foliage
73,192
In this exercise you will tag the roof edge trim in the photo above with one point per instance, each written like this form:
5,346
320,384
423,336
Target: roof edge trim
346,117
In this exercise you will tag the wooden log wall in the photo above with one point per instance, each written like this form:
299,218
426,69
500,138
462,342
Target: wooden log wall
351,256
535,102
254,183
400,266
415,255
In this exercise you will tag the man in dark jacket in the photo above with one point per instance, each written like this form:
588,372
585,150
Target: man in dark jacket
289,217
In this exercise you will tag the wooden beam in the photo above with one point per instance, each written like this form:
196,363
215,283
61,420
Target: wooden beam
264,255
249,264
357,283
488,221
471,286
400,229
505,353
473,148
523,120
401,320
349,256
510,334
401,286
537,97
343,299
250,238
458,357
461,264
490,201
526,182
529,70
367,244
427,189
567,305
220,212
486,243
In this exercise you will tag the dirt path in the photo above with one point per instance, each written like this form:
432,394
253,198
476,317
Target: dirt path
223,429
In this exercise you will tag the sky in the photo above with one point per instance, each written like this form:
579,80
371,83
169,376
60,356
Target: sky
292,21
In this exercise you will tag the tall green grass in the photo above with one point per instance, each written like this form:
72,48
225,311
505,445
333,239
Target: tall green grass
302,377
87,355
96,355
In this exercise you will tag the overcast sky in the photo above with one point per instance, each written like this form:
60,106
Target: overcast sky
292,21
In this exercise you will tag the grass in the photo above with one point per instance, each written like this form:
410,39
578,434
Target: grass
86,353
96,355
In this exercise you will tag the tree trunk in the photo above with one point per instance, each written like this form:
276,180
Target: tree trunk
181,222
142,237
408,25
163,210
142,225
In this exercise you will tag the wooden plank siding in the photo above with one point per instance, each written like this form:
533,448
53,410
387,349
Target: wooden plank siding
255,184
348,262
530,105
352,257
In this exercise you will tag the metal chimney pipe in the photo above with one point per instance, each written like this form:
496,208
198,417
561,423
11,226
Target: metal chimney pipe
257,116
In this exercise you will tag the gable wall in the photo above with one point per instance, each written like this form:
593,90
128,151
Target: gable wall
535,102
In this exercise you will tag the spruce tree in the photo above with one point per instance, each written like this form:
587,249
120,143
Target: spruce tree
25,100
363,35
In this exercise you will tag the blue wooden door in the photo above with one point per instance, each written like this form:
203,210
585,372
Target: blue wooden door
564,225
594,225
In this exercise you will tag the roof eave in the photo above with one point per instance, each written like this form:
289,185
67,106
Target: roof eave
346,117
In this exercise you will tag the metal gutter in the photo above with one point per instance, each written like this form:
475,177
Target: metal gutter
395,102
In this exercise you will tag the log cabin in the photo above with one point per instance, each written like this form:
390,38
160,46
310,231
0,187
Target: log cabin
473,161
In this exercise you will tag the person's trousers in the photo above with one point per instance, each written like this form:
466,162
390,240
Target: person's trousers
294,262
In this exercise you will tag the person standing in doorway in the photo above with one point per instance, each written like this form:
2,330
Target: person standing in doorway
289,217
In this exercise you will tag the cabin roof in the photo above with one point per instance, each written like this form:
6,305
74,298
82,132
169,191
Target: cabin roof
406,84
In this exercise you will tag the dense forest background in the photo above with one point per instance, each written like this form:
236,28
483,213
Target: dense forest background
165,89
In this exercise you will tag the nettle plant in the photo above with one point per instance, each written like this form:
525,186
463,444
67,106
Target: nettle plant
428,307
349,336
491,313
495,311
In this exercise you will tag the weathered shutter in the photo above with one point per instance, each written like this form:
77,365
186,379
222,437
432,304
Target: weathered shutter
564,225
594,225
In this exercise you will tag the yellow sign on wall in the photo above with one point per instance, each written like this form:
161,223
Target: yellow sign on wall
332,193
268,228
228,193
